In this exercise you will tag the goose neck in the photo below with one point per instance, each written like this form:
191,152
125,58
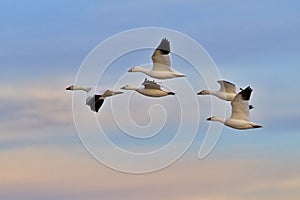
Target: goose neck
217,119
129,87
86,89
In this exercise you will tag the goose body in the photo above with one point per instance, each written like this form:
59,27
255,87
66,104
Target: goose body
161,59
150,89
94,101
239,118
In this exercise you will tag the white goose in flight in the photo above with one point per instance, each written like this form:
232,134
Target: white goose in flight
240,112
226,92
150,89
161,59
96,100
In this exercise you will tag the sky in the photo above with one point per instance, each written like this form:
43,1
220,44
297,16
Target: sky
44,156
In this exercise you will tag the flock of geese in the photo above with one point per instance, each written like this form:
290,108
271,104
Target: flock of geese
161,69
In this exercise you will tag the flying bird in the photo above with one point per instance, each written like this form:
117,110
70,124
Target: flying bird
240,112
94,101
226,92
161,59
150,89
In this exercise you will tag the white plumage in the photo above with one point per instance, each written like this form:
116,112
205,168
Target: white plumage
161,59
226,92
150,89
95,100
239,118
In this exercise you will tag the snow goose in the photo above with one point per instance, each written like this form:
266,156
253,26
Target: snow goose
96,100
240,112
161,59
226,92
150,89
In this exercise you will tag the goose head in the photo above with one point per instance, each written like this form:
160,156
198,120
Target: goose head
70,87
210,118
213,118
203,92
74,87
128,87
136,69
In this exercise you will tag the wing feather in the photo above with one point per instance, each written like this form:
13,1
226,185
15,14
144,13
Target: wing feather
98,104
151,84
240,105
95,102
227,87
161,56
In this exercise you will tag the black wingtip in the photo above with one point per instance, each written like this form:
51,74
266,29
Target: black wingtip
246,93
257,126
95,103
164,46
171,93
180,75
251,107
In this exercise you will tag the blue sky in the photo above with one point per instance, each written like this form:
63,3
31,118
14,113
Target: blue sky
43,44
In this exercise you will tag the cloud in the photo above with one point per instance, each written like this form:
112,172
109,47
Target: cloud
70,173
34,105
37,112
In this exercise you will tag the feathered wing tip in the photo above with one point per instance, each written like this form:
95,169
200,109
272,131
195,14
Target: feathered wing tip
147,81
171,93
98,104
151,84
226,86
257,126
226,82
95,103
164,46
246,93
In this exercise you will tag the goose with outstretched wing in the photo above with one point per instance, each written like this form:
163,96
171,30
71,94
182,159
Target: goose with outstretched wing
150,89
96,100
226,92
161,59
239,118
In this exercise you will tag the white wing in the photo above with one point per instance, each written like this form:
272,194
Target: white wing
240,105
227,87
161,56
162,63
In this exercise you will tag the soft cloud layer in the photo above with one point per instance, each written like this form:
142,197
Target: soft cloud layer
34,104
71,174
35,163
